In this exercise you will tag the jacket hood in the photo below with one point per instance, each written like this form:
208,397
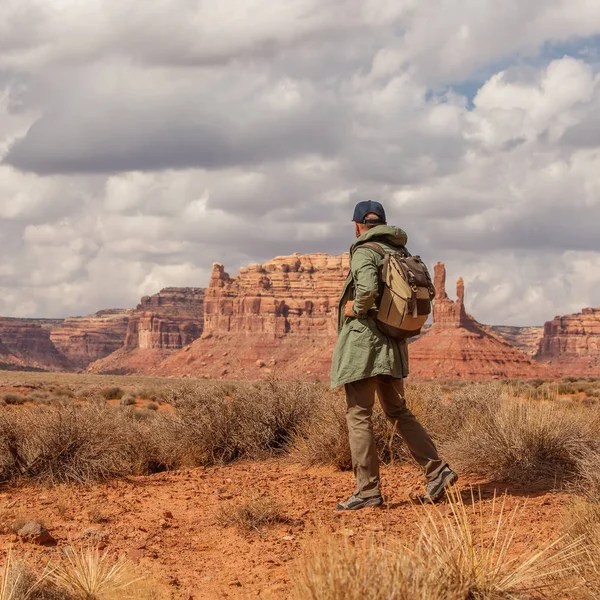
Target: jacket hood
387,234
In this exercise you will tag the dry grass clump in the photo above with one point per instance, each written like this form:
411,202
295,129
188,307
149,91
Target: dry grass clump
79,574
465,556
38,396
253,513
149,394
89,574
73,443
513,440
127,400
323,437
217,423
112,393
582,521
588,475
18,582
13,399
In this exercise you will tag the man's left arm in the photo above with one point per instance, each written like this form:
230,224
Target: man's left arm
365,275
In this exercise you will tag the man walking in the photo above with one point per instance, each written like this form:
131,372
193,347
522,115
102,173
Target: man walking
366,361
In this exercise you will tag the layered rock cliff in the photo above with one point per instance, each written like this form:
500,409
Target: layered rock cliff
526,339
280,315
168,320
160,324
295,294
571,344
83,340
26,343
457,346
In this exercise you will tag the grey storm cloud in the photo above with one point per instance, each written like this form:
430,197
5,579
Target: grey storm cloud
185,126
140,142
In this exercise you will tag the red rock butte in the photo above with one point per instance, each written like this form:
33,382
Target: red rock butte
25,343
571,344
83,340
280,315
161,324
288,295
457,346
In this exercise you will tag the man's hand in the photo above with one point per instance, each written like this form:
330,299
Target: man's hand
348,312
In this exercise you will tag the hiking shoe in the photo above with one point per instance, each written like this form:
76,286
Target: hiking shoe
355,503
436,488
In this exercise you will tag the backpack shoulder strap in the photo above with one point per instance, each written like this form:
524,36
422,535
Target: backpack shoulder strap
375,247
379,250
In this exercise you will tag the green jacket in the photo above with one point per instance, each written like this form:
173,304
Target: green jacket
362,350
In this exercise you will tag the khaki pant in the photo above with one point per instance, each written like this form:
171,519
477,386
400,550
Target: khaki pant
360,397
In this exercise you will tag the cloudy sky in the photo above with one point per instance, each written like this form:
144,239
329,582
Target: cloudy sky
142,141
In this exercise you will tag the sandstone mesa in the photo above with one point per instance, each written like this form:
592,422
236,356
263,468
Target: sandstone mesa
281,316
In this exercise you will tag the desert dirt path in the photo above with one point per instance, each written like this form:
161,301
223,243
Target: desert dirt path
167,523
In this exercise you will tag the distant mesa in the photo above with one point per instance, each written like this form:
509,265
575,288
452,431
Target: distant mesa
83,340
161,324
295,294
281,314
281,317
25,343
571,344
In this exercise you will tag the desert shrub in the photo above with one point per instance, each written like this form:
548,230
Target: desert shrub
152,405
127,400
63,392
87,393
444,415
217,424
566,388
13,399
252,514
112,393
323,437
148,394
38,400
515,440
143,414
537,382
465,555
38,395
65,443
19,582
588,475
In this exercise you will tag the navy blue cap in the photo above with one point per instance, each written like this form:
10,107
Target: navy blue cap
362,209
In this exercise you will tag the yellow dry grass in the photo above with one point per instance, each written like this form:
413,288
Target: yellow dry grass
465,555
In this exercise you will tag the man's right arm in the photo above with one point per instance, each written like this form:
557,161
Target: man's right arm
365,274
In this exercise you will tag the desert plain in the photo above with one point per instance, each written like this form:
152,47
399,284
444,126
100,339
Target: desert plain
199,488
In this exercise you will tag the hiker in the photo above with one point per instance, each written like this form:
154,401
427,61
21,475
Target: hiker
366,360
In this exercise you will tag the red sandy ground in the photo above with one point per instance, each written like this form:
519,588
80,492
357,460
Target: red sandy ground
167,523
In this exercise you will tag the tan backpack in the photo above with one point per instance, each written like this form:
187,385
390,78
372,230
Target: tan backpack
408,292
